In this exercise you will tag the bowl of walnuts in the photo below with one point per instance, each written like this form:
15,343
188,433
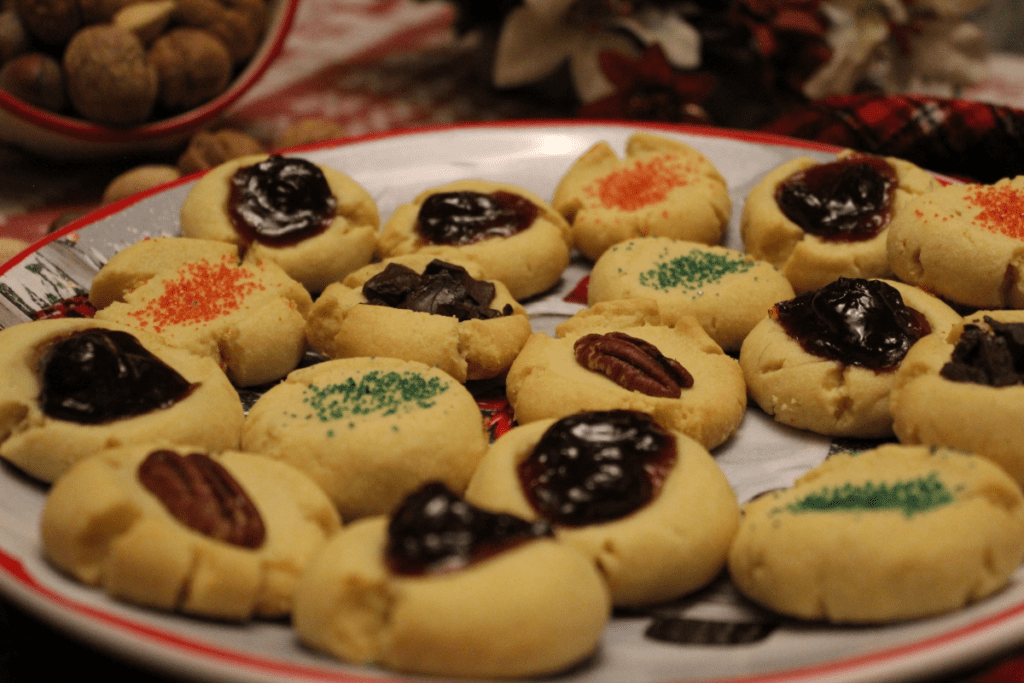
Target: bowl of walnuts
84,79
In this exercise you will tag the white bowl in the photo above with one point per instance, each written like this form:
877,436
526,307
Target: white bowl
65,137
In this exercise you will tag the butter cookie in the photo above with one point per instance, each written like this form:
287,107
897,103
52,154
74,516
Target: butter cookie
894,533
74,386
223,535
661,188
312,220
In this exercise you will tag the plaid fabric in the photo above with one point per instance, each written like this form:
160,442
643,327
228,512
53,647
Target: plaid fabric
973,140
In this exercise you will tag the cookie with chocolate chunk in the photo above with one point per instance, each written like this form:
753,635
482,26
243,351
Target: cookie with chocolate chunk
965,389
417,307
894,533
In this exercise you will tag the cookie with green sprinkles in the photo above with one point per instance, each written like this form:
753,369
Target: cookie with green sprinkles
893,533
727,291
370,430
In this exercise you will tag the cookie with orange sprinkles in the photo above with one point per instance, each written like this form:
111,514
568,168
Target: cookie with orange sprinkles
964,243
199,295
661,188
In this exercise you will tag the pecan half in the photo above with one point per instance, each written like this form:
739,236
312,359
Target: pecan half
202,495
633,364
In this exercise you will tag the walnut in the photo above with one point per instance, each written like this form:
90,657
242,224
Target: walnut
109,79
36,79
310,130
193,67
139,179
147,20
208,149
14,39
239,23
51,21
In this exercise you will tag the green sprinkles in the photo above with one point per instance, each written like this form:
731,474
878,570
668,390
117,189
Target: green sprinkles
909,497
383,393
693,271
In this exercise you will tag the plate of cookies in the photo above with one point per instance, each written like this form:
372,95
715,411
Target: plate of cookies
570,401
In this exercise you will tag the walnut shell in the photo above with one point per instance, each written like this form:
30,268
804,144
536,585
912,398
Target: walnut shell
35,78
51,21
109,79
239,23
208,149
193,67
14,39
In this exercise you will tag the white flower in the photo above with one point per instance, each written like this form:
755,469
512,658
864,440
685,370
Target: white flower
923,46
538,36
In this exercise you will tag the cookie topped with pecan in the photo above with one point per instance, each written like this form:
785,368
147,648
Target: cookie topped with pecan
621,355
223,535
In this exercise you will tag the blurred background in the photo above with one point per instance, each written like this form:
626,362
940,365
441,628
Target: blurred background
948,75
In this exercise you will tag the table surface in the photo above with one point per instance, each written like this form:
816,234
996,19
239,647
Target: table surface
371,65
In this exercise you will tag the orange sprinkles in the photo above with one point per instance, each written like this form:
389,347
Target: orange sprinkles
642,183
200,293
1002,209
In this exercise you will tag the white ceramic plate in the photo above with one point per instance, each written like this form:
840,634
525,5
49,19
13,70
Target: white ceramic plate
763,455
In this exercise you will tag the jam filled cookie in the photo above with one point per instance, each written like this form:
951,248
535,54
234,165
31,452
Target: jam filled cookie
619,355
416,307
817,222
513,235
964,243
661,188
445,589
650,507
826,360
370,430
314,221
223,536
247,315
899,532
965,390
74,386
728,292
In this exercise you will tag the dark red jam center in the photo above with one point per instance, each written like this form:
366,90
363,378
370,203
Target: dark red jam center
853,321
435,531
844,201
597,466
201,494
457,218
442,289
281,200
98,376
995,358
